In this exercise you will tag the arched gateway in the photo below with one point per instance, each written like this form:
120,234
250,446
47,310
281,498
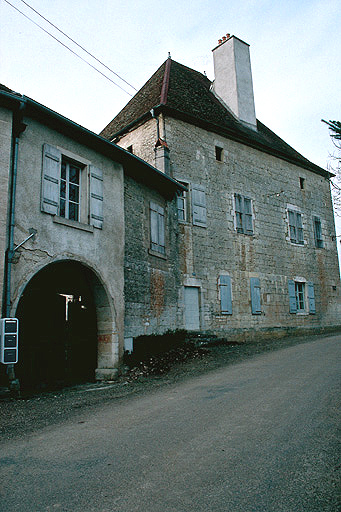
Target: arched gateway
67,327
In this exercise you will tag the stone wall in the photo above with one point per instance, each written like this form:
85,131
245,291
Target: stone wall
58,239
273,185
5,162
152,280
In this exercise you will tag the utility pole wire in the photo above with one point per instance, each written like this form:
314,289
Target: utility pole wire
68,48
79,46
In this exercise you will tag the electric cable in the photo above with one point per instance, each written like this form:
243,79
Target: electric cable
77,44
68,48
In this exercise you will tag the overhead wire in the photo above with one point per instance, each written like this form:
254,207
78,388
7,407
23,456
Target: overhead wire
77,44
68,48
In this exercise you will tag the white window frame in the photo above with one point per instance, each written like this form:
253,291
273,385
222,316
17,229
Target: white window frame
296,227
300,294
68,163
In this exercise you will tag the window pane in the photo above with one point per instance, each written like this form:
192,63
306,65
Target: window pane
181,208
247,205
63,171
298,220
74,174
248,223
62,189
299,289
74,193
62,208
73,211
239,222
238,203
300,238
292,234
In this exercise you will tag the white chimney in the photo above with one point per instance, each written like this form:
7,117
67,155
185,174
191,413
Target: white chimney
233,78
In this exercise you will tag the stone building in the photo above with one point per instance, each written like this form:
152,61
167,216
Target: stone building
62,240
256,229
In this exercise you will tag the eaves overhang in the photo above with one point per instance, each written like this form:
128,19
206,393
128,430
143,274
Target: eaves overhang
132,164
226,132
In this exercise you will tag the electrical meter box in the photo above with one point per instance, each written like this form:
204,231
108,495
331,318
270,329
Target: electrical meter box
9,334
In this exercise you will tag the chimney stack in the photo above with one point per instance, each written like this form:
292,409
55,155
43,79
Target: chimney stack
233,78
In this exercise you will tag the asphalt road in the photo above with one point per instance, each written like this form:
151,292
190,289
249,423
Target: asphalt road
260,435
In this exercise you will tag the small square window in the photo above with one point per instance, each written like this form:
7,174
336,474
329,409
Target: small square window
130,149
302,180
219,154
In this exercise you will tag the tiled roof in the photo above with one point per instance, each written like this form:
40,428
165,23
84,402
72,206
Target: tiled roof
184,93
132,164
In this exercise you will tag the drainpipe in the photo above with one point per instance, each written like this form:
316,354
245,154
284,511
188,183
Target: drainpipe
17,130
157,123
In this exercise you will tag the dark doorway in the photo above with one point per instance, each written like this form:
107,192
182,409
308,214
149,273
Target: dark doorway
57,321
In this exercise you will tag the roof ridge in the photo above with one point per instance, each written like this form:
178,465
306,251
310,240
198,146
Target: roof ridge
165,83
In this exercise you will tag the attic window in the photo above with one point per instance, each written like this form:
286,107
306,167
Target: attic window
130,149
302,180
219,154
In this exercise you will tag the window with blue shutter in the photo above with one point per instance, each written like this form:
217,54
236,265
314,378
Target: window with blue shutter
199,205
157,228
299,292
243,212
295,227
256,307
311,298
65,185
225,294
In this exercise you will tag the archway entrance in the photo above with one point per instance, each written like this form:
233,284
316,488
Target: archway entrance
58,327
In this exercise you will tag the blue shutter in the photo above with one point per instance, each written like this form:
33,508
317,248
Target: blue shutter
300,238
248,227
292,297
50,180
161,219
157,228
199,205
311,298
154,230
256,307
225,290
96,197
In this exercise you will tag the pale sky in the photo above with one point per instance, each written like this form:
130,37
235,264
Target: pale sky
294,46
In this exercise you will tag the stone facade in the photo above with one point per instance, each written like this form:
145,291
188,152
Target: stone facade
74,192
274,187
5,162
152,279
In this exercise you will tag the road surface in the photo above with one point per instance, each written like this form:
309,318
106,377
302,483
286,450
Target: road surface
256,436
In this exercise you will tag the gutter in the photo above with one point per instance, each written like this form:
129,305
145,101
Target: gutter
238,137
91,139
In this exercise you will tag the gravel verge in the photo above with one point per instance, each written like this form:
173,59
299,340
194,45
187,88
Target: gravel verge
30,413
